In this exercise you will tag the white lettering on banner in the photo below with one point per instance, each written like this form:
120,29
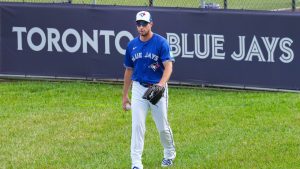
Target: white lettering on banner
290,54
241,55
206,48
270,47
92,42
106,34
65,44
19,31
255,49
218,43
200,46
118,39
59,42
53,39
40,32
185,52
174,41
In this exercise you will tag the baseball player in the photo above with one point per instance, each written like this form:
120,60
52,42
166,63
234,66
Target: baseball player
147,62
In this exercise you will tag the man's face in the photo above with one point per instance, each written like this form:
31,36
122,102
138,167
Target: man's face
143,27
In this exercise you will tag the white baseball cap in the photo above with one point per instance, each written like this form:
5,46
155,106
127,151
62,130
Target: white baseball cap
143,16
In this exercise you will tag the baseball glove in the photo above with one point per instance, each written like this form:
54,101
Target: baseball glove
154,93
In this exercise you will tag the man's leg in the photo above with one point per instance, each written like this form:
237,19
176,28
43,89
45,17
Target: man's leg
139,108
159,114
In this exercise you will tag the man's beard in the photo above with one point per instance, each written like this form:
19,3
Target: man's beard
145,33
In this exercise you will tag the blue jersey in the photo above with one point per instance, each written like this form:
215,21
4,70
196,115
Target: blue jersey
147,58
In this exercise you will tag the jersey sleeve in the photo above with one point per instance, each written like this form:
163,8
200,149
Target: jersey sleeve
127,59
166,54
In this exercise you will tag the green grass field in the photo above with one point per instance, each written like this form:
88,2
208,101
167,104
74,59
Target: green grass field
72,125
232,4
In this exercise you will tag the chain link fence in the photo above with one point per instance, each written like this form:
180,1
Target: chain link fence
275,5
38,1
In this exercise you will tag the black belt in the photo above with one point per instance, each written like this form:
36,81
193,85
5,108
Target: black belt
146,84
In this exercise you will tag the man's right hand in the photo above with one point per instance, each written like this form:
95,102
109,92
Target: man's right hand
125,101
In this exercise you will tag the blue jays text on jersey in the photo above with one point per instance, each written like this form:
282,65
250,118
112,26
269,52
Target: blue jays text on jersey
147,58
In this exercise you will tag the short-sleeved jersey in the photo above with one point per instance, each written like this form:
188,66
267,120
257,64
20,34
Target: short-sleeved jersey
147,58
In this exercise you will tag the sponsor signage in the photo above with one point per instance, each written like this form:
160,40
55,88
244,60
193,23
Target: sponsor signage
213,47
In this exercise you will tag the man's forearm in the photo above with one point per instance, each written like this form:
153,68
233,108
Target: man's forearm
167,73
127,82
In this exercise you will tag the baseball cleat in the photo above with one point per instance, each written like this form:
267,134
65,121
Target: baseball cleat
166,162
135,167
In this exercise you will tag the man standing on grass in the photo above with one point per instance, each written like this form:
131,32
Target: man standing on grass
148,61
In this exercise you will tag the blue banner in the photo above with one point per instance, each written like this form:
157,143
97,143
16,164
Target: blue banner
211,47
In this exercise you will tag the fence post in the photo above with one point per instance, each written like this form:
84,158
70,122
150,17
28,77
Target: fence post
202,3
225,4
293,5
150,2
